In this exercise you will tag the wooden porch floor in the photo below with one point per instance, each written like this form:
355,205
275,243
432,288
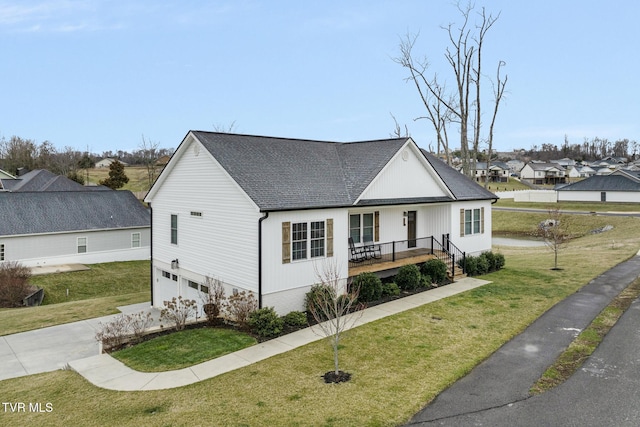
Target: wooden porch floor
412,256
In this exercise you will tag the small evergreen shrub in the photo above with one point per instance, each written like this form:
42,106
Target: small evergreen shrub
390,289
470,265
491,260
408,277
265,322
425,281
499,258
295,319
482,264
316,294
370,287
436,269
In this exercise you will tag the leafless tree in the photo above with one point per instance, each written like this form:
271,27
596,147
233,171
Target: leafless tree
397,131
498,92
555,232
149,152
224,128
334,302
464,56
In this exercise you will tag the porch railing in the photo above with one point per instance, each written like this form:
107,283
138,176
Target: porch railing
455,253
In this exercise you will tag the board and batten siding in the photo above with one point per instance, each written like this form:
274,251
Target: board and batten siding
285,282
472,244
62,248
217,222
406,175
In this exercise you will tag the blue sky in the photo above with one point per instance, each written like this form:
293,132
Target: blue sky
100,74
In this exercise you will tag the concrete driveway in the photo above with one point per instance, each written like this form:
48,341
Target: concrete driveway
49,349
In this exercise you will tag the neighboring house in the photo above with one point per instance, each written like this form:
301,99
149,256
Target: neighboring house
163,160
515,166
6,175
43,180
105,163
58,227
565,162
266,214
543,173
619,186
498,172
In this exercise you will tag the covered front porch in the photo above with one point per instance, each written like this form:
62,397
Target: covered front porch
379,257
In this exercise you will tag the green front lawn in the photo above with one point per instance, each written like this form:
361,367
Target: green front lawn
181,349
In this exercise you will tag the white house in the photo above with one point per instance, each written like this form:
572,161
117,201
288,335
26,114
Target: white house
619,186
264,214
543,173
105,163
61,227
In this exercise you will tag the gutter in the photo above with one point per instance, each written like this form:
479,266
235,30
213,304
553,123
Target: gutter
266,215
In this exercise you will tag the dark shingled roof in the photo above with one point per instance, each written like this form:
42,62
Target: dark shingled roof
462,187
604,183
43,180
282,173
287,174
59,211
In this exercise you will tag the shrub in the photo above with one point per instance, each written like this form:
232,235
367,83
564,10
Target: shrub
178,311
113,333
390,289
295,319
408,277
499,261
14,283
213,300
436,269
317,293
425,281
370,286
239,306
265,322
470,265
483,264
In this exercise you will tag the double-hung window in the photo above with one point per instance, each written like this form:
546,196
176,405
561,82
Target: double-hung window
308,240
135,240
174,229
82,245
361,227
471,221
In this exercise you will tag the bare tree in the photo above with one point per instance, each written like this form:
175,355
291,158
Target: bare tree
498,92
331,306
464,56
224,128
555,232
397,131
148,150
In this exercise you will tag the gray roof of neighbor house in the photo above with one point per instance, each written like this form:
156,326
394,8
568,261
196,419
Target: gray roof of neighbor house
283,173
61,211
604,183
43,180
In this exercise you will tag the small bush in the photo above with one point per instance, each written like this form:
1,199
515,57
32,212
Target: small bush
408,277
14,283
491,260
436,269
499,259
370,287
295,319
178,311
239,306
425,281
265,322
482,264
317,293
113,333
390,289
470,265
213,300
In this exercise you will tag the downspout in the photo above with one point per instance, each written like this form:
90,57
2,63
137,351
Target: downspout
151,250
266,215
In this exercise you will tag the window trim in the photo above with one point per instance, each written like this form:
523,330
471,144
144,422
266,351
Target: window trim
471,221
362,227
308,250
173,229
85,246
133,240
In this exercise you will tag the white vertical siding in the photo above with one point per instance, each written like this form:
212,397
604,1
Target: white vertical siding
223,241
594,196
476,243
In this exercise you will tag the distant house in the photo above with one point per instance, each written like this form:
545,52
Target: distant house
105,163
543,173
6,175
498,172
61,227
565,162
163,160
619,186
265,214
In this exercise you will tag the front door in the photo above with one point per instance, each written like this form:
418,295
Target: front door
411,229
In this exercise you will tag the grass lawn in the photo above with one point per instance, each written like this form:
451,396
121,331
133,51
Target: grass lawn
138,177
92,293
398,363
571,206
512,184
182,349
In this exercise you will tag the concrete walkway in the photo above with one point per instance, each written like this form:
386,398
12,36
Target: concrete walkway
106,372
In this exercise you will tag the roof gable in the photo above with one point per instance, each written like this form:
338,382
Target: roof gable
613,182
